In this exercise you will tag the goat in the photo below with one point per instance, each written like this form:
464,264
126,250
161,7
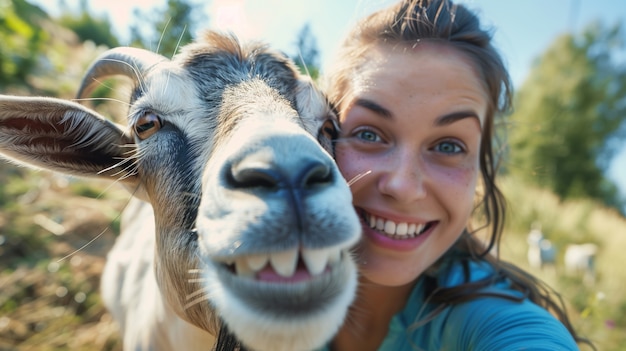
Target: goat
240,218
541,251
580,259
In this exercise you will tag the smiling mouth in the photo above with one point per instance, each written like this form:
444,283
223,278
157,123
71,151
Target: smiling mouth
394,230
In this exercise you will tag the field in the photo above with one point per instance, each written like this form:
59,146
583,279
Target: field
49,296
599,311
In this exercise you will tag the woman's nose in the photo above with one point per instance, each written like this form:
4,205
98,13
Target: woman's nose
405,179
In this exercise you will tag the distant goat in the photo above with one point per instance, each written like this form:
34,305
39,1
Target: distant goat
241,219
541,251
580,260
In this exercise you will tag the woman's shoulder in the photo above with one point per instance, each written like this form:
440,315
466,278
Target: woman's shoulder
498,316
492,322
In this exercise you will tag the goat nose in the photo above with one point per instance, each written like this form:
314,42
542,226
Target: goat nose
293,182
308,174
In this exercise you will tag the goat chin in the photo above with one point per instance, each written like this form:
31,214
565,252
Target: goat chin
266,331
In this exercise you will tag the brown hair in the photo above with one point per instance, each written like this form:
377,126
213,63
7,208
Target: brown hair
404,25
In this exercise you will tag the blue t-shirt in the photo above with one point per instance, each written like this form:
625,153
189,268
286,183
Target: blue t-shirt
483,324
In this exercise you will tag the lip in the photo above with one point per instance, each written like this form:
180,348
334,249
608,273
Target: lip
405,244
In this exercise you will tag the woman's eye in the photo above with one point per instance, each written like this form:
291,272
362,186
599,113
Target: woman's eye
448,147
368,135
147,125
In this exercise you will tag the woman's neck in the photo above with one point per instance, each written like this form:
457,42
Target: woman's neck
368,321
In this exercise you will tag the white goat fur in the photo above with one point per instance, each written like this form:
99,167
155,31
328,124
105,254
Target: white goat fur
241,217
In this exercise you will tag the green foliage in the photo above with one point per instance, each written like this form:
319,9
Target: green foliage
307,53
21,40
570,116
174,28
86,189
88,27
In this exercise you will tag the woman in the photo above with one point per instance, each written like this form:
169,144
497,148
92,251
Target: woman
417,87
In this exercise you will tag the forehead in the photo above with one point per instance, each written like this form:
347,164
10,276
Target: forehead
421,74
419,61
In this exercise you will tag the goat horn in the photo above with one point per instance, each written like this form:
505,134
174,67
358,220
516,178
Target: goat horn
126,61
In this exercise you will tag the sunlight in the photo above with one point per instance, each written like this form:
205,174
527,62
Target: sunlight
230,15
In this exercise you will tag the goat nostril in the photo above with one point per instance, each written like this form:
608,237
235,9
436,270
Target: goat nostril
306,174
254,178
316,174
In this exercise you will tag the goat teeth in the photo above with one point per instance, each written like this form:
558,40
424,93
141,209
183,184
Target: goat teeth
243,269
258,261
316,260
284,263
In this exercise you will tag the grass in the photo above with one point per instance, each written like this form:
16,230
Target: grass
47,303
599,311
50,305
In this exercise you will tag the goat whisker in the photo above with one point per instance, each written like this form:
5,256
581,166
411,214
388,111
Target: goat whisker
97,236
119,164
180,38
136,71
197,301
195,294
358,177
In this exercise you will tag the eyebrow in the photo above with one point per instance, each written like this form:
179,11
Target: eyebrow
374,107
439,122
457,116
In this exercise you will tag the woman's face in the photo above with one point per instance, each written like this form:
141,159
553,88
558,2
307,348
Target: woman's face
413,120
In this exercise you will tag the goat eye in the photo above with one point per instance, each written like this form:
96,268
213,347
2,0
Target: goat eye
330,129
147,125
327,134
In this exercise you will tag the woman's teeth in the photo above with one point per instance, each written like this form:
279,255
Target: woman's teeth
393,229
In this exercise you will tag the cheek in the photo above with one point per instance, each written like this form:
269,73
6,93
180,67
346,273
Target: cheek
350,163
461,181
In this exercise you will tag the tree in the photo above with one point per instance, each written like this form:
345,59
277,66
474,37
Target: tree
570,116
175,27
21,40
307,53
88,27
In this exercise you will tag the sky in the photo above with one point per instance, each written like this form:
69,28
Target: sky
523,29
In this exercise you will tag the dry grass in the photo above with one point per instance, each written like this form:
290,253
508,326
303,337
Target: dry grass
47,303
599,311
50,305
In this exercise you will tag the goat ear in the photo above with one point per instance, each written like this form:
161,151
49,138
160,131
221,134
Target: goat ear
66,137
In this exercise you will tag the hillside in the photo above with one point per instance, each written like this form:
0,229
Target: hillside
48,302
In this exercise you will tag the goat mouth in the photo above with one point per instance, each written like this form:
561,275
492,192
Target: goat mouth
295,296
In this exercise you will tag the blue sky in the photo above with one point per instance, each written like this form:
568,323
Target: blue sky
523,28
